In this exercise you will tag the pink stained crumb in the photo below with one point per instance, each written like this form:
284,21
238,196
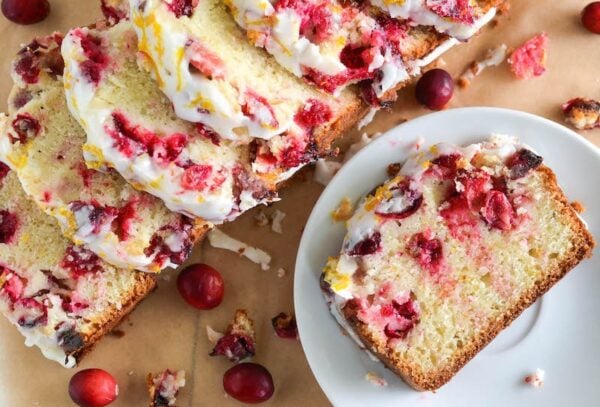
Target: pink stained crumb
535,379
529,60
455,10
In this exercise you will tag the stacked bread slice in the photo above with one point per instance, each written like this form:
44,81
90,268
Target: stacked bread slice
135,137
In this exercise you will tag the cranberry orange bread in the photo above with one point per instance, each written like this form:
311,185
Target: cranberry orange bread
186,165
61,297
207,68
43,144
441,258
334,43
164,387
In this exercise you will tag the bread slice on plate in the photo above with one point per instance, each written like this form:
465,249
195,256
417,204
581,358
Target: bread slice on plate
61,297
446,254
43,144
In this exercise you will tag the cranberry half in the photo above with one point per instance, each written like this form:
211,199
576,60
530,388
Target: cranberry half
201,286
590,17
25,11
93,388
249,383
435,89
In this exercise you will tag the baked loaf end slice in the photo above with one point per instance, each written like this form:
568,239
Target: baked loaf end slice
43,144
61,297
448,253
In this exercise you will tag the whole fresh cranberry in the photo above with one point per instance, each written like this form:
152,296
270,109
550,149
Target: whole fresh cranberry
93,388
201,286
249,383
435,89
590,17
25,11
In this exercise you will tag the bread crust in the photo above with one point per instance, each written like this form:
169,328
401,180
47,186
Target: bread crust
582,248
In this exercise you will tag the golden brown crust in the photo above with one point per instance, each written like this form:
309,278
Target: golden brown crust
423,381
145,284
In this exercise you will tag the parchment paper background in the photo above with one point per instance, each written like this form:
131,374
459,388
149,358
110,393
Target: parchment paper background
164,332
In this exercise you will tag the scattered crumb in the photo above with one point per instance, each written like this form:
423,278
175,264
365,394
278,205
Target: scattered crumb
165,277
536,379
281,272
130,373
276,219
118,333
578,206
375,379
394,169
212,335
220,240
325,170
344,211
261,218
529,60
164,387
583,114
365,121
493,57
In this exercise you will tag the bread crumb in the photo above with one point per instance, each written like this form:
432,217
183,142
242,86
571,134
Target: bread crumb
493,57
261,218
393,169
325,170
276,219
536,379
344,211
578,207
281,272
376,379
220,240
130,373
212,335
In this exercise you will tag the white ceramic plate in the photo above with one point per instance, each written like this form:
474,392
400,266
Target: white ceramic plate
560,333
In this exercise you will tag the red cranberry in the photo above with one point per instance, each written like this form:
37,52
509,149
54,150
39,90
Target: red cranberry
446,165
8,226
160,249
403,202
114,13
497,212
367,246
427,252
183,7
26,127
93,388
313,114
522,162
404,318
80,261
434,89
25,11
204,61
259,109
208,134
590,17
285,326
235,347
32,312
249,383
194,178
201,286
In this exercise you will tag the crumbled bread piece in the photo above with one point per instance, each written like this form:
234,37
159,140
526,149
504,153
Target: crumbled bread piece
220,240
376,379
239,341
529,60
536,379
578,206
583,114
276,219
164,387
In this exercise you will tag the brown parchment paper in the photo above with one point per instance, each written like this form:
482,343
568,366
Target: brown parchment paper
164,332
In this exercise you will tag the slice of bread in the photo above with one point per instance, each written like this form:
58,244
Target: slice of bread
188,166
164,387
333,44
61,297
207,68
445,255
43,144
